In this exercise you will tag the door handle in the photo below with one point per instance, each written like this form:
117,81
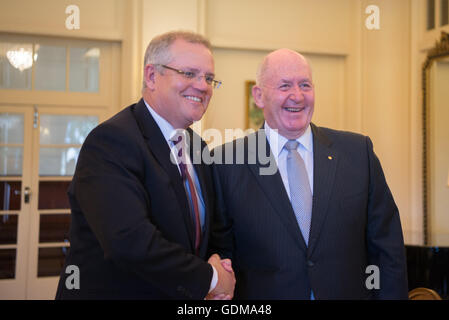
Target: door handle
27,194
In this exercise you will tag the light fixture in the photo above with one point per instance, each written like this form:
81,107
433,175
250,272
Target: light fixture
21,57
92,53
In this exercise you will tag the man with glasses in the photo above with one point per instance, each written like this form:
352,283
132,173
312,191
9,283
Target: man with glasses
141,208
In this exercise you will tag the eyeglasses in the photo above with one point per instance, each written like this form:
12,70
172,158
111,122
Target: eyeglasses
194,75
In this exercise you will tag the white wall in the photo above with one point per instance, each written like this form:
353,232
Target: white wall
101,19
386,97
323,26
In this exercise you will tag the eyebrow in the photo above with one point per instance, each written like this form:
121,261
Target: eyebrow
197,70
291,81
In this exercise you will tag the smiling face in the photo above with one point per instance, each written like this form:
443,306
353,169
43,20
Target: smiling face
286,93
179,100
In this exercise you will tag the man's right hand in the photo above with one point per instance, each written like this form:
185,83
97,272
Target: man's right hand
226,278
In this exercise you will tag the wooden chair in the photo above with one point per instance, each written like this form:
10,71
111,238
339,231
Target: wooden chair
423,294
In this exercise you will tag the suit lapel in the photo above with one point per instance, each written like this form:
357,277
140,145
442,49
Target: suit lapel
274,189
161,151
325,161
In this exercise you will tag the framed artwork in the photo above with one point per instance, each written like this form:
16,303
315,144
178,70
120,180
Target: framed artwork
254,115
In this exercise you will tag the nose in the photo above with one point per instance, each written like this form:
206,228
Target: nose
297,95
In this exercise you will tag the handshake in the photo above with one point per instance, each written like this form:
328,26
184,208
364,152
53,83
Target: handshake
224,289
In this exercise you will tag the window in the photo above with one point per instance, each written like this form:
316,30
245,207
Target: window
44,67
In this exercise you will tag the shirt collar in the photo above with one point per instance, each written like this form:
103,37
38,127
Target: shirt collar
166,128
306,140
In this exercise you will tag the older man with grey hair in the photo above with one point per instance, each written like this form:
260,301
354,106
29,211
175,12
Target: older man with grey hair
324,225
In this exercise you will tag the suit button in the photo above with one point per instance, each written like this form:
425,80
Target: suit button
310,263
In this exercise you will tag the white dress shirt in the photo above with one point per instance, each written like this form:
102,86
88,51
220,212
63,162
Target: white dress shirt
305,149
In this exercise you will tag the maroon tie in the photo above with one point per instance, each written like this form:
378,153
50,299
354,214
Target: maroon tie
192,195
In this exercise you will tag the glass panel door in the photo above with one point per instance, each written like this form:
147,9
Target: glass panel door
15,163
57,143
72,85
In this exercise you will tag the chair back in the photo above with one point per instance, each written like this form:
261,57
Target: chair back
423,294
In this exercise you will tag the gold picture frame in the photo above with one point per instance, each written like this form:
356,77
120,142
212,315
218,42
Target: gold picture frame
254,115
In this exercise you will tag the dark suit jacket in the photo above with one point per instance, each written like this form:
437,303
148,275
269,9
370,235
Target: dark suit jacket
131,233
355,223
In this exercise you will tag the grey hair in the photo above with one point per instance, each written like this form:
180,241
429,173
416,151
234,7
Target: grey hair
158,50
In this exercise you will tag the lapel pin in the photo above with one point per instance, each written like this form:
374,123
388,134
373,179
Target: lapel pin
329,157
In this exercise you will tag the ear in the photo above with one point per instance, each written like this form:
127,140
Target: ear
257,95
150,75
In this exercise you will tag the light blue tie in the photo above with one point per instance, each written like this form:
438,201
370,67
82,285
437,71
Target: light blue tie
300,192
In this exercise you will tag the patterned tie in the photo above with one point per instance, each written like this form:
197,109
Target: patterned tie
191,191
300,192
